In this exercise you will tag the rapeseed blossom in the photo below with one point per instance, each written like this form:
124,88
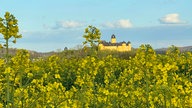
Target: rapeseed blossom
146,80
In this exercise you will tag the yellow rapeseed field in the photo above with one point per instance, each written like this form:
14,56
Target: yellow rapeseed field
147,80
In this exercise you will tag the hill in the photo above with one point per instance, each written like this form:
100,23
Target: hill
182,49
33,54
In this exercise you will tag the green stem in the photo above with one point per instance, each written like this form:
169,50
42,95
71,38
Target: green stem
7,75
7,50
147,88
7,90
22,91
7,43
165,104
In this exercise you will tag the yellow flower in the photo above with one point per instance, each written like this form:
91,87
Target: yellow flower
57,76
1,62
34,81
106,92
1,105
8,70
29,75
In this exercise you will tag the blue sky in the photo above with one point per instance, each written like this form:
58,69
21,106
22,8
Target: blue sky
48,25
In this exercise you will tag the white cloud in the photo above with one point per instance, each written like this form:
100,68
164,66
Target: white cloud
122,23
173,18
67,24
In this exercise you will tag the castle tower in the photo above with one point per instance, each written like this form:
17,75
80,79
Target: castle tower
113,39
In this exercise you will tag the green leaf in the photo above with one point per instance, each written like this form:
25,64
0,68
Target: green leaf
14,41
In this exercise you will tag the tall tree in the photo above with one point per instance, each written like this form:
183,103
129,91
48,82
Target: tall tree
92,35
9,29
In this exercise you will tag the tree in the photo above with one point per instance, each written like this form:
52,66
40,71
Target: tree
65,49
9,29
92,35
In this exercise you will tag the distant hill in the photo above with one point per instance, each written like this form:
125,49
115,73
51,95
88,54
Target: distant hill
33,54
187,48
182,49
